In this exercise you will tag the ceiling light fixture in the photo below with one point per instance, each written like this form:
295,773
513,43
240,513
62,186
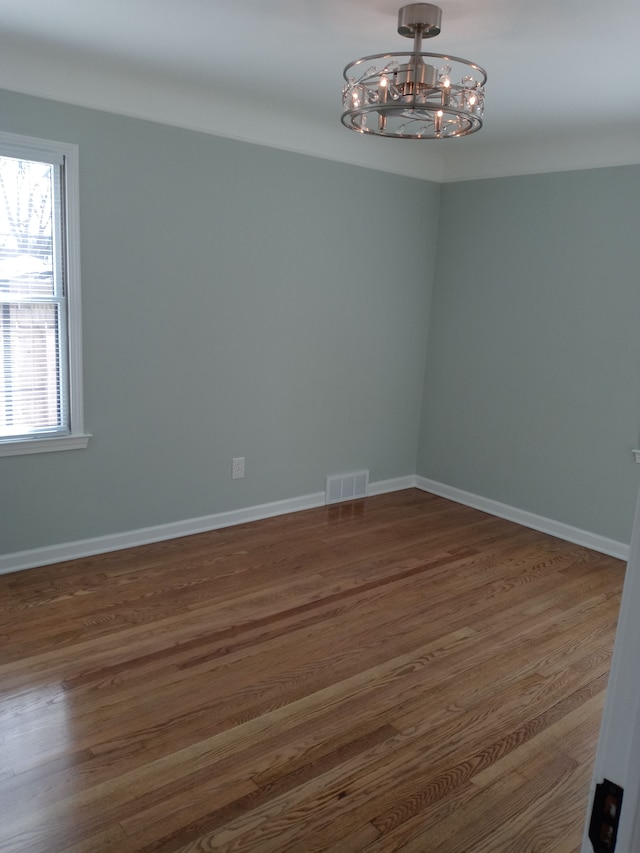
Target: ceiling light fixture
402,96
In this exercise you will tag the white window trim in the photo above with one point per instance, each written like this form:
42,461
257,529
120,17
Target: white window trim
12,144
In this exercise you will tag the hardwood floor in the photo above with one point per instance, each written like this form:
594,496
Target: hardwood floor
401,673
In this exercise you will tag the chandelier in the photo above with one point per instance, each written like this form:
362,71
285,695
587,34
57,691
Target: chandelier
400,95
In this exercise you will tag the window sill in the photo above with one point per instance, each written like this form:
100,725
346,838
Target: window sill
43,445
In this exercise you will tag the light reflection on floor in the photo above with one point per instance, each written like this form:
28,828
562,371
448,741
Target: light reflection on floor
35,729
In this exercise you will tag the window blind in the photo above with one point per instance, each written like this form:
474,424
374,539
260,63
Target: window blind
33,335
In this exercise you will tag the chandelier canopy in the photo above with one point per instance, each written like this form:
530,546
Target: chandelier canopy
403,96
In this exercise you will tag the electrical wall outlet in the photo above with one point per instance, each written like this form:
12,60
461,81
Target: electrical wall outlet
237,468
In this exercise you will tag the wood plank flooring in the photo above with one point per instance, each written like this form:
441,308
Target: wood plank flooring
399,673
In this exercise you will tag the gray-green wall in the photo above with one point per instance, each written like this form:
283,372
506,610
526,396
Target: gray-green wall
237,301
244,301
532,392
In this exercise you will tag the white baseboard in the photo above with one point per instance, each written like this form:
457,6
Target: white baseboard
383,487
146,535
610,547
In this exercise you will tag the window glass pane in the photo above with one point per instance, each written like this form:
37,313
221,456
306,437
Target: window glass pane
30,393
27,228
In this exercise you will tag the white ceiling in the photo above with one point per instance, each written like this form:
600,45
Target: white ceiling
563,89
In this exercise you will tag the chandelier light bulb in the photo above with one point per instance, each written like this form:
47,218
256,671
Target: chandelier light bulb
414,95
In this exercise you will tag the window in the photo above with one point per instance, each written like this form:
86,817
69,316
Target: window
40,342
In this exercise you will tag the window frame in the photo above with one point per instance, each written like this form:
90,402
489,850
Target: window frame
33,148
